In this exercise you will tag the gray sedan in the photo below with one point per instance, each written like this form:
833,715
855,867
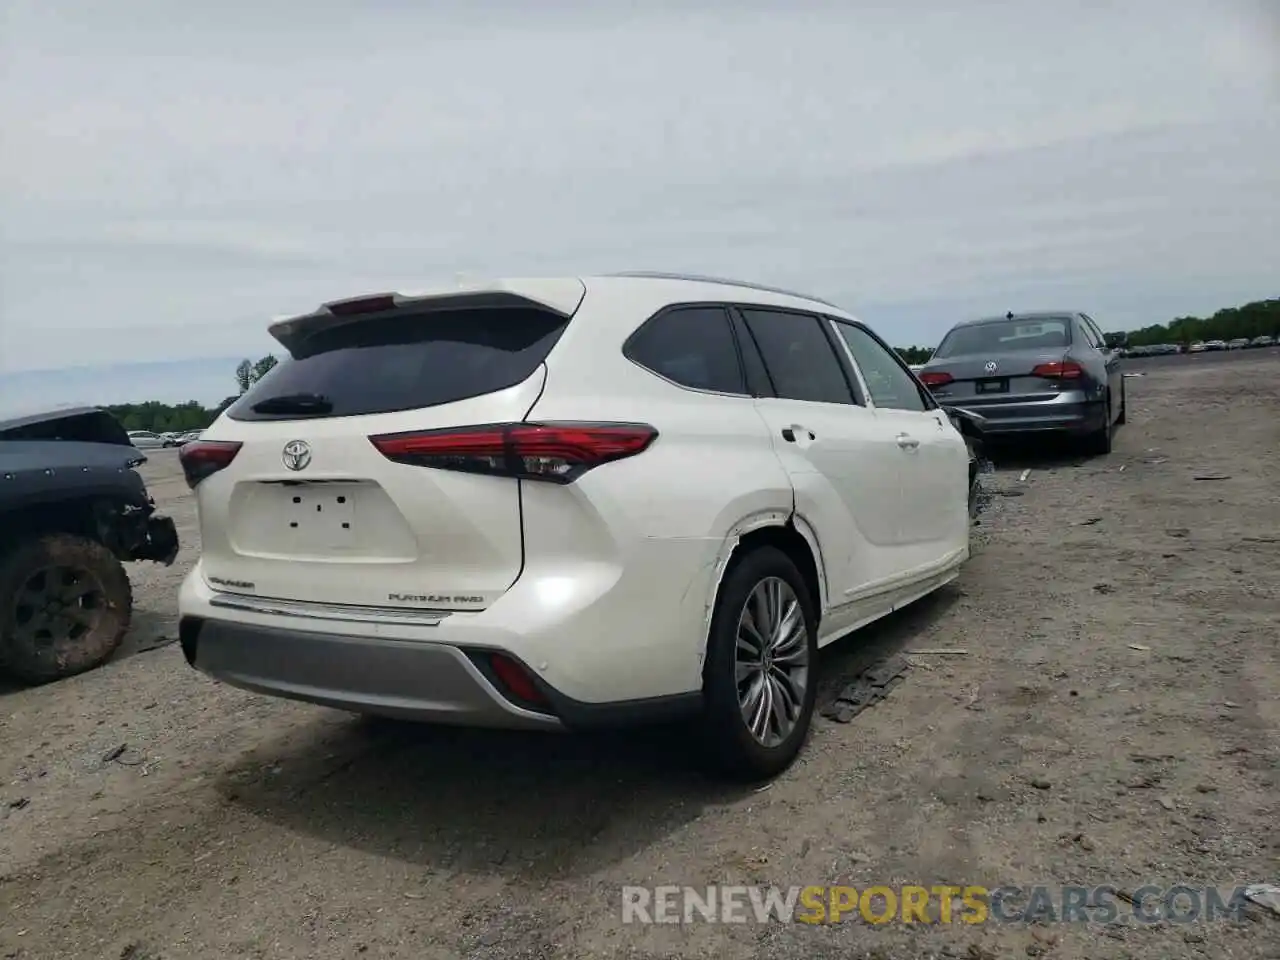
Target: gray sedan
1032,373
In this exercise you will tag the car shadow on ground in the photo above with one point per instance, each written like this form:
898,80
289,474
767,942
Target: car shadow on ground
1036,453
539,807
530,805
148,631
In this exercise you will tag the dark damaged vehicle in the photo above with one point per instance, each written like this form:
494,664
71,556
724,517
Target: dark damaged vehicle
72,509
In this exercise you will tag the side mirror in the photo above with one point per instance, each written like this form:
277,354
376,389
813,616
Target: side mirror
966,421
1116,341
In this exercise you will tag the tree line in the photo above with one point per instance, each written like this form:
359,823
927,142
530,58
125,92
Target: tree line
1256,319
191,414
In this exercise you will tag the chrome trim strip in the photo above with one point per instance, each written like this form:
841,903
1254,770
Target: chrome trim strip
327,611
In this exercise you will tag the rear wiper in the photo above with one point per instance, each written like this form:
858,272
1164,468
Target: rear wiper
294,403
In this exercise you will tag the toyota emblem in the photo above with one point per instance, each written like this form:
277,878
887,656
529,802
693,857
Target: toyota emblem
990,367
296,454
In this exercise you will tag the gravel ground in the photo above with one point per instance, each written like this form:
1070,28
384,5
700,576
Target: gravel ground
1116,720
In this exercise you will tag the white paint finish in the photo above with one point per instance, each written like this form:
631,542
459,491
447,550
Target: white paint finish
605,585
416,532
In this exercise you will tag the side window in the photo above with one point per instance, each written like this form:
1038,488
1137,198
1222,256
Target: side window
891,386
758,382
798,356
691,346
1092,333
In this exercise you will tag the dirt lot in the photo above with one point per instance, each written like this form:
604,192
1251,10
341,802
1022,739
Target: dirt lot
1116,720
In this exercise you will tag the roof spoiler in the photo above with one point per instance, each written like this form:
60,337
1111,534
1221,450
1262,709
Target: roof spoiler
561,296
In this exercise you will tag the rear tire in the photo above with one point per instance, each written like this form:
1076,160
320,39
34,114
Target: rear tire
65,606
1122,416
752,650
1098,443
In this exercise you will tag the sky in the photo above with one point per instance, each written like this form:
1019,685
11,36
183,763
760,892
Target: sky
172,176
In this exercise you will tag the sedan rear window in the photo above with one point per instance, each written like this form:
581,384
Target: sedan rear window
404,361
998,335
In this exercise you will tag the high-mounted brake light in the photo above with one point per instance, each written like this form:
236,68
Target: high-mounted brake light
358,305
556,452
935,378
1058,370
201,459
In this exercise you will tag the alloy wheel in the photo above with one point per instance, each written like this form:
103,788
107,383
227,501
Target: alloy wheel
771,661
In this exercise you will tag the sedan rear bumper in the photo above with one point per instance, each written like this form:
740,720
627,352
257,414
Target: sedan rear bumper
1068,415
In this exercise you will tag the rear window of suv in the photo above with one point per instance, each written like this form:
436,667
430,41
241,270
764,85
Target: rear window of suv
407,361
999,335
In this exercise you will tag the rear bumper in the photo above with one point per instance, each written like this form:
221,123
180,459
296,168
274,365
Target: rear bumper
1067,416
161,543
588,636
138,534
408,680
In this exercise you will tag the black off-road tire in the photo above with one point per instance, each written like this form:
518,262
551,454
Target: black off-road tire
56,657
731,750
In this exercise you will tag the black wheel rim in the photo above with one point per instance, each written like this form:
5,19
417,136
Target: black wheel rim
57,605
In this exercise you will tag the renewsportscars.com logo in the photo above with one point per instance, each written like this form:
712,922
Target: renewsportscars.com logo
939,904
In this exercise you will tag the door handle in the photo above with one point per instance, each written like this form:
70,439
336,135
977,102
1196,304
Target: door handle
789,433
907,442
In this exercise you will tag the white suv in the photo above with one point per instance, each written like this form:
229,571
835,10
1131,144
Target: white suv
560,502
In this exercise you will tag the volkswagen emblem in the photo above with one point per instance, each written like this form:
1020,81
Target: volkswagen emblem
296,454
990,367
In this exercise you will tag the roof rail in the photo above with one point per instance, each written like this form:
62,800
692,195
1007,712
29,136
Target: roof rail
698,278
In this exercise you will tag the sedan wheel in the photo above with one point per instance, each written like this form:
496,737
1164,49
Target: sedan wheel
758,678
1099,442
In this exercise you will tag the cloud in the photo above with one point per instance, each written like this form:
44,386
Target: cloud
172,179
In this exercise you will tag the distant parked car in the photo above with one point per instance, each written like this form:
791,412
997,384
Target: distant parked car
1032,373
1263,341
1239,343
1215,345
146,440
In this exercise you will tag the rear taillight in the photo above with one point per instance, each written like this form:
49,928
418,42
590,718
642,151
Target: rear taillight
558,452
201,459
936,378
1058,370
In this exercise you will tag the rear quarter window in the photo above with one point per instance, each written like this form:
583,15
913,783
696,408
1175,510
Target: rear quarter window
691,346
407,361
